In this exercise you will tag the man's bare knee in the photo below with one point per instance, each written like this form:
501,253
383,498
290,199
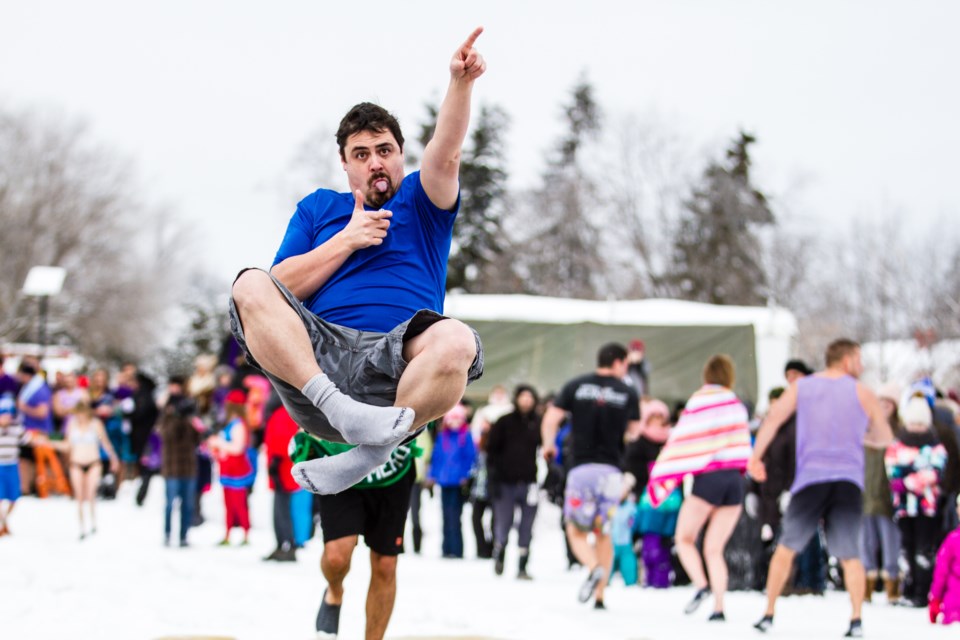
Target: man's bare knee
456,342
252,287
383,568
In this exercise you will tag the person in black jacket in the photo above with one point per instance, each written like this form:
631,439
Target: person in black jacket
512,467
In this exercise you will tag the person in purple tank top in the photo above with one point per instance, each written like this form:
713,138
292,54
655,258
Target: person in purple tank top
836,417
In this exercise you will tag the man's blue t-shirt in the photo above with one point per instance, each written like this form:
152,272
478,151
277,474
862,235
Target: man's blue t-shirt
378,287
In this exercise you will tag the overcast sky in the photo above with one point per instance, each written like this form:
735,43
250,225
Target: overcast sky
858,101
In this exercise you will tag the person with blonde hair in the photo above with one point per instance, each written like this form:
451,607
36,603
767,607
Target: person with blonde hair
711,441
84,435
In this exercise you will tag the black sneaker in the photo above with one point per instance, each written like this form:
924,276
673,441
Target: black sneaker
764,625
523,575
328,619
598,604
590,584
698,598
717,616
855,630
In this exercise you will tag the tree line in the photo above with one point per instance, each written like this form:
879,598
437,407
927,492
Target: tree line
621,210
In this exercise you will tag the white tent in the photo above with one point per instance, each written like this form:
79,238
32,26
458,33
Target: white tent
674,330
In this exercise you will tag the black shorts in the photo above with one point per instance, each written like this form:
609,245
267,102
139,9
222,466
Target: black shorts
377,514
839,504
719,488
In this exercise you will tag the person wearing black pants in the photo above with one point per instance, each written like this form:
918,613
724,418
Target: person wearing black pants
512,464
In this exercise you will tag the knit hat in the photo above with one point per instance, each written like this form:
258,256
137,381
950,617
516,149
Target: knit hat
236,397
917,411
890,391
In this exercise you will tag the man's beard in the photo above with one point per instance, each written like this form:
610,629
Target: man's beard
377,198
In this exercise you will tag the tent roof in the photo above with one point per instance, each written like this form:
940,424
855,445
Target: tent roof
651,312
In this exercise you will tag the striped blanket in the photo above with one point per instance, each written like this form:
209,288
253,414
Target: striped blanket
712,434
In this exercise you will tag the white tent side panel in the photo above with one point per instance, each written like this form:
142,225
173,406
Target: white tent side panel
773,329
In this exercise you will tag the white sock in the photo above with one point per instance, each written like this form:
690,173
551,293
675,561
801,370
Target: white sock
333,474
357,422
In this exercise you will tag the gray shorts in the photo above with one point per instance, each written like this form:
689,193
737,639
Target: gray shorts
365,365
839,505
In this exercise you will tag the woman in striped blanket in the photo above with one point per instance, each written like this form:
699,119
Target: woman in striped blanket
711,441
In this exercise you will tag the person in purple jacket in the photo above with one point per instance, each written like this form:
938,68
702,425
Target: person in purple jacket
836,417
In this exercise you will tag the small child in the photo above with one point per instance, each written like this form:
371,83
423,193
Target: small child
12,435
624,557
944,598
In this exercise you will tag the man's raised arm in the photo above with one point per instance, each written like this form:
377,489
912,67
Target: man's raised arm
440,168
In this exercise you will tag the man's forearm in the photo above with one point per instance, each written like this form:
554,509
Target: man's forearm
303,275
453,120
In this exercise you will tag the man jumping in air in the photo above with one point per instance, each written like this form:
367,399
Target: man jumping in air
347,324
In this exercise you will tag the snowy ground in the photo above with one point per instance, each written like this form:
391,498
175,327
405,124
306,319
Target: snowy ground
122,584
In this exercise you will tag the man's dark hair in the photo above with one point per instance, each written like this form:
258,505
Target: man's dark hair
610,353
799,366
840,349
367,116
27,369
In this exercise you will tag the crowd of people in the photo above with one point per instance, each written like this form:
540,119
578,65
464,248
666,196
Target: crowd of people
665,497
341,354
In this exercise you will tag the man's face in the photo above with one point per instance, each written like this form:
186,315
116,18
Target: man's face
792,375
620,368
853,364
374,165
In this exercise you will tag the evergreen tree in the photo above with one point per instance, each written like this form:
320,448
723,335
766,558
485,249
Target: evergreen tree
562,253
477,236
717,256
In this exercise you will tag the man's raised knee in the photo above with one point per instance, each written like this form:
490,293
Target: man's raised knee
457,341
250,287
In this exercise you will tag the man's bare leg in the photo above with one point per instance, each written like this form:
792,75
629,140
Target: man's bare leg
604,547
854,581
335,565
273,331
581,547
779,572
435,379
277,339
381,594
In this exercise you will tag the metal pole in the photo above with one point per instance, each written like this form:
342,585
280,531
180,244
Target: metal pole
43,322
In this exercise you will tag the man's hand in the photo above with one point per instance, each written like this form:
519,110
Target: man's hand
467,63
366,228
757,470
549,451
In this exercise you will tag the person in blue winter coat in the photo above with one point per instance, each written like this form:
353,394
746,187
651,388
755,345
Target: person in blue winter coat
454,454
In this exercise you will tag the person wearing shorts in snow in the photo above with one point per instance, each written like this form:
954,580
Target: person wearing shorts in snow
602,408
347,324
836,416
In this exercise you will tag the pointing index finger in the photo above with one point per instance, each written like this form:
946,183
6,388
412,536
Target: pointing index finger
473,38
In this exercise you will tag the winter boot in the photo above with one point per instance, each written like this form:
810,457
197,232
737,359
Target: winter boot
871,586
892,588
417,539
522,573
499,554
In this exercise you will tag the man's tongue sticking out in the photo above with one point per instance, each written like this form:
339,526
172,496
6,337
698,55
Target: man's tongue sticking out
381,185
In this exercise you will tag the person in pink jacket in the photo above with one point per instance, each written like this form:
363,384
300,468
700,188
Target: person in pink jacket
945,589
